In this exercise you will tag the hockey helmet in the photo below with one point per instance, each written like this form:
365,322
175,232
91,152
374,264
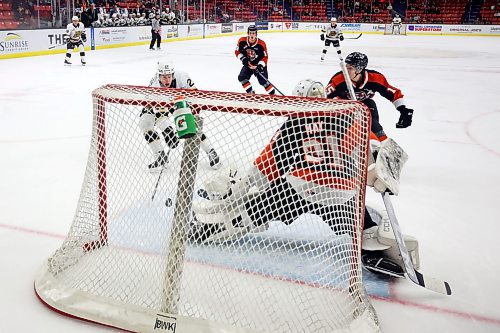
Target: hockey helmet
358,60
333,20
251,28
309,88
75,18
165,67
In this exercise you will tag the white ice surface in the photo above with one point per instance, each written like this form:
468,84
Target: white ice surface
450,191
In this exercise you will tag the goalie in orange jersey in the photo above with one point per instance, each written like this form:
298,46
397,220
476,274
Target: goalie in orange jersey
309,167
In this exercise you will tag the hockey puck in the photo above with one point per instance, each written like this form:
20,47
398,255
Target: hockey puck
168,203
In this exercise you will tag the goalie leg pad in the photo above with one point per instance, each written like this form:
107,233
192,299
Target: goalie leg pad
381,238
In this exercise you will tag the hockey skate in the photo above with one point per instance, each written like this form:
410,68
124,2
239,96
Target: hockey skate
67,63
376,262
160,162
83,63
214,159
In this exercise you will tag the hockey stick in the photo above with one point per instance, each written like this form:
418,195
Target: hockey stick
53,47
357,37
433,284
268,82
156,186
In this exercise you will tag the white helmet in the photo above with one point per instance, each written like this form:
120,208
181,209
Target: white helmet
75,18
165,67
333,20
309,88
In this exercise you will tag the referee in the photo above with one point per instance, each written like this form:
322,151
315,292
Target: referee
155,32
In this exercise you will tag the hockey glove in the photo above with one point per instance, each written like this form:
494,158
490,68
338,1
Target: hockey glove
341,37
405,118
84,37
260,68
244,61
322,36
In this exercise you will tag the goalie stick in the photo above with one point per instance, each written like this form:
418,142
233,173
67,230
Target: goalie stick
430,283
415,276
357,37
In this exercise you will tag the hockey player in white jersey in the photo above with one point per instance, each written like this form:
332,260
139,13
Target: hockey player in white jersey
281,186
154,120
76,37
331,35
396,25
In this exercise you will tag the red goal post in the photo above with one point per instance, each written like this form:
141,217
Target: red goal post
128,262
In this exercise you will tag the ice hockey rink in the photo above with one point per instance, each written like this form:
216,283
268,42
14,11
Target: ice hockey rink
450,187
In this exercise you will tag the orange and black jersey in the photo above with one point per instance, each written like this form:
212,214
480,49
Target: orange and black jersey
256,53
310,149
370,83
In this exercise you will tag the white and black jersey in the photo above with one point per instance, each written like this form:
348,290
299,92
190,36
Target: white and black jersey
332,32
181,80
75,33
396,21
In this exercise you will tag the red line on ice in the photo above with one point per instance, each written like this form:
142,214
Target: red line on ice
395,300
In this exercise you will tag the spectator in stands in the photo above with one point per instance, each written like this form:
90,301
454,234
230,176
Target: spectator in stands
92,14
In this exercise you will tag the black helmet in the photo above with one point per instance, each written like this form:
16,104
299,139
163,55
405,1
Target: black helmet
358,60
251,28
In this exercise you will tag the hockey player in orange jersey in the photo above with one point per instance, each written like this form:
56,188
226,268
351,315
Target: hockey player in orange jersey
300,172
252,52
366,83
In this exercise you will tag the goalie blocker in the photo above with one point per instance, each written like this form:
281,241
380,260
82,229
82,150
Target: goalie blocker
295,174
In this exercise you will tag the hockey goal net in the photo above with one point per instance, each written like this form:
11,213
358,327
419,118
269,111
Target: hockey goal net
395,29
130,260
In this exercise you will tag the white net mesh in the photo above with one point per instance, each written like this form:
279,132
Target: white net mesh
395,29
273,247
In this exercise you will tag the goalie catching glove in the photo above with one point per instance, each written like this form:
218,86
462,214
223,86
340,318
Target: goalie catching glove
222,215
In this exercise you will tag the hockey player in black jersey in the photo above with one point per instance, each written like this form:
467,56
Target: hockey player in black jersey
366,83
252,52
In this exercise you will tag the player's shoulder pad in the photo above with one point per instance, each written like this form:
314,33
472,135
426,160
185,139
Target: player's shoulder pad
261,42
242,39
375,76
337,78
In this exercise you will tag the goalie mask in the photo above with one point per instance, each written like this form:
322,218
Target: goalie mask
309,88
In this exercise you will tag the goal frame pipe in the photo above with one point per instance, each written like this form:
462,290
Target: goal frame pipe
178,235
100,120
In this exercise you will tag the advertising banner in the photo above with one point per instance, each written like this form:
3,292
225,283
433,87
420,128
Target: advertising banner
424,29
275,26
290,26
195,30
261,25
213,29
171,31
227,28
